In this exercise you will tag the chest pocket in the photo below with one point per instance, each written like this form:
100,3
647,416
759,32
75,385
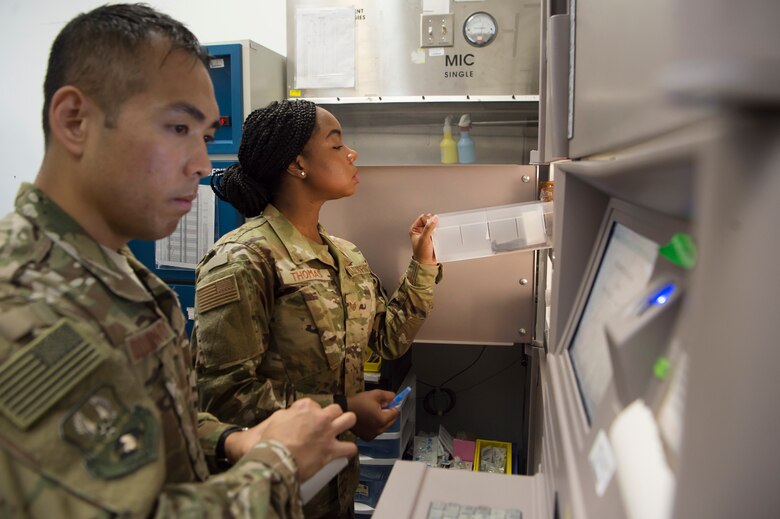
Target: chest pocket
331,334
310,320
361,297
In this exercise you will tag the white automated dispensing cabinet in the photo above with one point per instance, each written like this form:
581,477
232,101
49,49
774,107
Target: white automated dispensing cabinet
658,384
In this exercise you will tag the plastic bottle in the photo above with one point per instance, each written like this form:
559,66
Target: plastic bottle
466,151
449,150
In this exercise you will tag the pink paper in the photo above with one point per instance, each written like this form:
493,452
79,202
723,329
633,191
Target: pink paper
463,449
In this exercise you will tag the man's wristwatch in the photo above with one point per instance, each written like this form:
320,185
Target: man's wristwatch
223,463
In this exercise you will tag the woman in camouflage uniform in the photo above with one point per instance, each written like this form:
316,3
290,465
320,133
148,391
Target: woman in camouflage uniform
284,309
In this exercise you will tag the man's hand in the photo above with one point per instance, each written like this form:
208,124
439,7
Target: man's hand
306,429
371,418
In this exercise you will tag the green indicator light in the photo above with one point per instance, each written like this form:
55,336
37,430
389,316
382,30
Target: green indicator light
661,368
681,250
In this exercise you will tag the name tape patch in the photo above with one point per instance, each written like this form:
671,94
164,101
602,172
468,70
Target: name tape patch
294,277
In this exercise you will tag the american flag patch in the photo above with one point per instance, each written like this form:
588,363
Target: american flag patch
42,372
217,293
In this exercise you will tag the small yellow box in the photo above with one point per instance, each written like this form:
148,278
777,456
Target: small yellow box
481,447
373,362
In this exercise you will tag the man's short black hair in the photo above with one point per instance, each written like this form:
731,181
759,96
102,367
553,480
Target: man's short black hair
102,53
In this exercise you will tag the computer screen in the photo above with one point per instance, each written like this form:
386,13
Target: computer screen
625,268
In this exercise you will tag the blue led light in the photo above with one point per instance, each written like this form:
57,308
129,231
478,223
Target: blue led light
662,295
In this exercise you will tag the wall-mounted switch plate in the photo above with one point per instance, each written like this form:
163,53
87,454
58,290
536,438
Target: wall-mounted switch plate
436,30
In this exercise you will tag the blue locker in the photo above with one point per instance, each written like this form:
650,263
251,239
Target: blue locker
226,73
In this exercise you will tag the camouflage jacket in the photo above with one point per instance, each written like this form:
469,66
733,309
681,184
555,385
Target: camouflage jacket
279,317
97,401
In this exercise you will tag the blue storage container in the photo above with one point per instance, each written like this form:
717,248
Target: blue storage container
372,482
387,445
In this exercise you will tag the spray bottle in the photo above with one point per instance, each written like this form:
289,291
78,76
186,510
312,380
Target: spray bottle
449,150
466,151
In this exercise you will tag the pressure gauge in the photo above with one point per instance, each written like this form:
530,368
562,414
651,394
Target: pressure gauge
480,29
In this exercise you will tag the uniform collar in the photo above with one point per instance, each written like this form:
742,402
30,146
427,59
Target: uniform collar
299,247
63,230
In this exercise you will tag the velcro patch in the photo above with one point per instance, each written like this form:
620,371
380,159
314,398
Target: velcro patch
356,270
216,261
42,372
294,277
149,340
115,440
217,293
18,322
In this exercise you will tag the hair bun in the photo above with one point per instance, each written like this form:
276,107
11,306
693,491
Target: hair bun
272,138
233,169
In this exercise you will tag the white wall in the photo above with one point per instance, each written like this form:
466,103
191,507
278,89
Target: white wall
27,29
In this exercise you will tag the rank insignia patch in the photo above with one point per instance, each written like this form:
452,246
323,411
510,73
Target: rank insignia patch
359,269
115,440
149,340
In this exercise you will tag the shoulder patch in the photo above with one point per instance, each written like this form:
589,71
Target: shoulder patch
293,277
36,377
217,293
357,270
115,440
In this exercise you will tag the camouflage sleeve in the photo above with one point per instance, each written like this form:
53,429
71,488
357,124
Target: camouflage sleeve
399,319
262,485
233,304
209,431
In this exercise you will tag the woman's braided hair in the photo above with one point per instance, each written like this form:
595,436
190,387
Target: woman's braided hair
273,137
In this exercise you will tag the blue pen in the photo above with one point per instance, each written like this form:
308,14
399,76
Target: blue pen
398,398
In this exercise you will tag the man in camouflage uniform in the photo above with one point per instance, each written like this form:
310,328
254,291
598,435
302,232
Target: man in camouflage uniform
97,401
280,317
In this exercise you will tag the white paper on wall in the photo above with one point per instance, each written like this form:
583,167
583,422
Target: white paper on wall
193,237
325,47
435,6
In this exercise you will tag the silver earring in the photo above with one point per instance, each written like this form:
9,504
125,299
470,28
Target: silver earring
303,174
